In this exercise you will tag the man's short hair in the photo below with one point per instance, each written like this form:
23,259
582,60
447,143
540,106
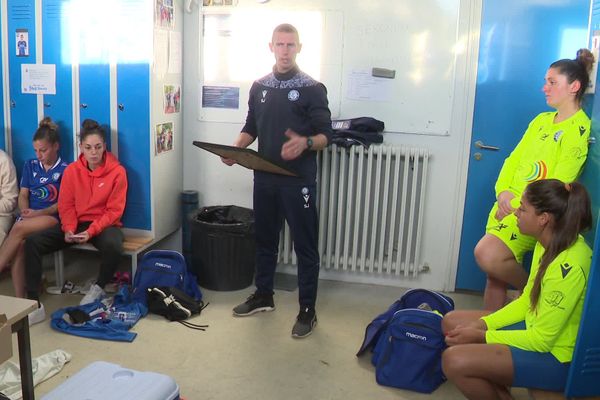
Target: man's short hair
287,28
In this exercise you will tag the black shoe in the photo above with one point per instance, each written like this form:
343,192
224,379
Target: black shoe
305,322
255,303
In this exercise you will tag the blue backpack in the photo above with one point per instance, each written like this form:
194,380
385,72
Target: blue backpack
164,268
407,341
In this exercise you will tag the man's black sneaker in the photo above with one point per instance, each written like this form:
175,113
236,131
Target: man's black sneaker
256,302
305,322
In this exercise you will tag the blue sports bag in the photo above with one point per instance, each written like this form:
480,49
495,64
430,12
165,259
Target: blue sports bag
164,268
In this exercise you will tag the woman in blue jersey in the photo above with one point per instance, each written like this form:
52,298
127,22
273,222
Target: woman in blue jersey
529,342
40,182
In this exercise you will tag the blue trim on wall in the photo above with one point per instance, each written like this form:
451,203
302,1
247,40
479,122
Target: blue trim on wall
133,94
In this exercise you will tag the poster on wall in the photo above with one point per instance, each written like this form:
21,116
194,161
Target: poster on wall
172,98
164,138
22,43
38,78
163,13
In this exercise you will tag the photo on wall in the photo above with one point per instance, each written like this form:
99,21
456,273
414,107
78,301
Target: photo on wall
164,138
172,98
22,42
164,13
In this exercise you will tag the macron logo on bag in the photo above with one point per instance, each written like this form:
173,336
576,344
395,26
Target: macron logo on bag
415,336
167,266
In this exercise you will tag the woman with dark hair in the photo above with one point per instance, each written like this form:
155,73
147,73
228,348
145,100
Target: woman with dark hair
529,342
90,204
555,145
40,185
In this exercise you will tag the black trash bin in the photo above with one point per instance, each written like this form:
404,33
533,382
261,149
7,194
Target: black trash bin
223,247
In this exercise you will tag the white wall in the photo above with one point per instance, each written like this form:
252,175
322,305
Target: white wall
218,184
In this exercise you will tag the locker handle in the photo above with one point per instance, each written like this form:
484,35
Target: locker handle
121,107
479,144
591,140
83,105
13,104
47,105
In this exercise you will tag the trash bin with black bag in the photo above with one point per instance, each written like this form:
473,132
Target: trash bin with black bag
223,247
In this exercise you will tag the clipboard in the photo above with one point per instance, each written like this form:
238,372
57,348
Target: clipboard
246,157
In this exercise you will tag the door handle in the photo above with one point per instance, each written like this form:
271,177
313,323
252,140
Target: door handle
479,144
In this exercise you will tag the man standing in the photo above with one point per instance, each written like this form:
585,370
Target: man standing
288,112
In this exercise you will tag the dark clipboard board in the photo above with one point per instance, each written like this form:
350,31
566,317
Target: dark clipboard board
245,157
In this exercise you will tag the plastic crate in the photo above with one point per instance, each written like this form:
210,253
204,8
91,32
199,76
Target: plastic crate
105,381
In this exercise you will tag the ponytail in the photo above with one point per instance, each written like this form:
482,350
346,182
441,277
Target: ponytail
570,208
577,69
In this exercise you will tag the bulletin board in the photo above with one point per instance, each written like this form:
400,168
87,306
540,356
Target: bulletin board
416,43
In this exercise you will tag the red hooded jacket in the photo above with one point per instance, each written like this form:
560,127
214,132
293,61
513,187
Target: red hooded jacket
98,196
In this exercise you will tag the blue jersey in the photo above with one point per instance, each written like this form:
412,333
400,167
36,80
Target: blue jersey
43,185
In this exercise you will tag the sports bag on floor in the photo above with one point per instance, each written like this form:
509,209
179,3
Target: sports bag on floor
174,305
165,268
407,341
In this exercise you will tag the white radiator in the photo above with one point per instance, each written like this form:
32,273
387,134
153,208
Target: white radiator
370,210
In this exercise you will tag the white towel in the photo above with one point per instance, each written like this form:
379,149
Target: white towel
44,367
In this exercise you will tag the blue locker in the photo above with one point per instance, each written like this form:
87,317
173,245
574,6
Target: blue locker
133,98
56,51
23,107
94,94
2,122
584,374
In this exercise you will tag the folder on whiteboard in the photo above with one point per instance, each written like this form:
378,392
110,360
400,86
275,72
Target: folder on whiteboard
246,157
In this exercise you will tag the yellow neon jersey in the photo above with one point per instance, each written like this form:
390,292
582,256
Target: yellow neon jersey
546,150
553,328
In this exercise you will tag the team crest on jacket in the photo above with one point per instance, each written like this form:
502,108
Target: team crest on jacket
557,135
55,176
293,95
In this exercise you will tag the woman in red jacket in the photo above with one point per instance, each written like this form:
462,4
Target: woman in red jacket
90,205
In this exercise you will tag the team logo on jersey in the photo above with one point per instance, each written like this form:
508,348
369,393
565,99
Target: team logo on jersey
34,174
513,236
554,298
293,95
557,135
544,136
43,179
55,176
306,197
565,269
582,130
499,227
537,171
264,96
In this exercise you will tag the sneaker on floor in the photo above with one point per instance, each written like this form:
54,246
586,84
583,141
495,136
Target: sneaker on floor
38,315
256,302
305,322
95,293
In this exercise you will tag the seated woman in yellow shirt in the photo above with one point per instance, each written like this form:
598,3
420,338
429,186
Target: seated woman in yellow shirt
530,341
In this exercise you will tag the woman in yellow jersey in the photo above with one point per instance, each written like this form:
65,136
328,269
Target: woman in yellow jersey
555,145
529,342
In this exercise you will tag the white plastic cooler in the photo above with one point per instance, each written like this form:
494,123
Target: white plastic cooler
105,381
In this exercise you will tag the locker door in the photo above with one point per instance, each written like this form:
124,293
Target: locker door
3,130
56,49
94,94
21,50
133,98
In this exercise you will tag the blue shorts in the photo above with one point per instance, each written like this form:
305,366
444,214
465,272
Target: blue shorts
535,370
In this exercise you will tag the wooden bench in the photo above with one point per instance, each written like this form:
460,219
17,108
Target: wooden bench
132,246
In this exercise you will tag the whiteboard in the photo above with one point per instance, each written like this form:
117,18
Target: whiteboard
419,40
